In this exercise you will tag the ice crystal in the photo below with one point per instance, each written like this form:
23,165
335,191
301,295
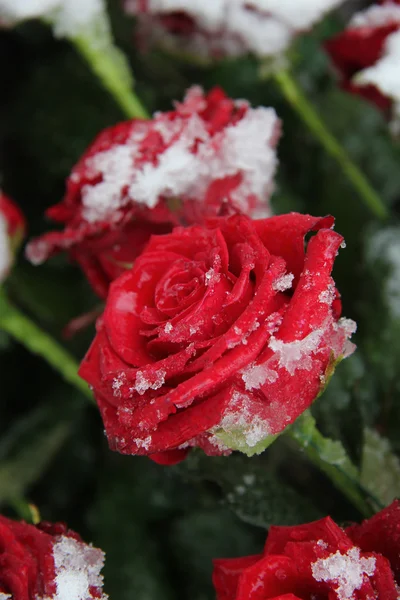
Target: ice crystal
153,382
283,283
239,418
256,375
347,571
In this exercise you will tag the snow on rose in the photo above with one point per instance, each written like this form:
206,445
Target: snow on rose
226,27
210,156
219,337
367,57
47,562
12,229
319,560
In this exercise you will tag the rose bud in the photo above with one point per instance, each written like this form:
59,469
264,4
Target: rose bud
219,336
49,562
12,231
210,156
367,57
319,560
225,27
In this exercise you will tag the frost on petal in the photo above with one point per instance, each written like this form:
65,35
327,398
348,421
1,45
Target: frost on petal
77,570
5,251
345,571
297,354
283,283
5,596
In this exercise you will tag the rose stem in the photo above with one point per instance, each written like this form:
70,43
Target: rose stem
308,114
331,458
108,65
25,331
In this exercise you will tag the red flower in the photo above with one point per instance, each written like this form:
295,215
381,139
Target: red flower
144,177
219,337
319,560
47,561
12,230
220,28
367,57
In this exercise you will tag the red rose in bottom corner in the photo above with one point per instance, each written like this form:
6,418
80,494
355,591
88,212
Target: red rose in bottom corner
219,337
47,562
319,560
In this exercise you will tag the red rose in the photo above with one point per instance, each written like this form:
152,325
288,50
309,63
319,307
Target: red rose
218,337
12,230
319,560
367,55
220,28
144,177
47,562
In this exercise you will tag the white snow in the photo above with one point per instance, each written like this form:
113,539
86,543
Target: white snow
385,73
77,568
254,376
5,251
327,296
297,354
142,383
168,327
239,418
143,443
5,596
347,571
247,147
264,27
283,283
68,17
386,244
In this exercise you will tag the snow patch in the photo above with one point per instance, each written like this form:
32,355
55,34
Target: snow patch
239,417
347,571
153,382
254,376
283,283
297,354
77,567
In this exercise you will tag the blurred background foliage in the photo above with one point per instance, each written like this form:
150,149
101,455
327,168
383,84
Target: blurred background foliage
161,527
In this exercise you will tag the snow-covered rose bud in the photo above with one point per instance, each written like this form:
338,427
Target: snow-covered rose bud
47,562
367,57
215,28
210,156
12,230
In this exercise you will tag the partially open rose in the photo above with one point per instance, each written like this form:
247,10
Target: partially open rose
12,230
210,156
47,562
319,560
219,337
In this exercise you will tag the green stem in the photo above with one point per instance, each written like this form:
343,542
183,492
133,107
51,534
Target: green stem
331,458
109,65
21,328
307,112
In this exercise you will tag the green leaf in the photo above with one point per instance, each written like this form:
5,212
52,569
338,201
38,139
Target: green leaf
380,468
254,494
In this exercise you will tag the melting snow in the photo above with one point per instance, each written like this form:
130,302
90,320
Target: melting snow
347,571
143,443
239,418
168,327
256,375
117,384
5,596
328,295
5,252
297,354
77,568
142,383
376,16
283,283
